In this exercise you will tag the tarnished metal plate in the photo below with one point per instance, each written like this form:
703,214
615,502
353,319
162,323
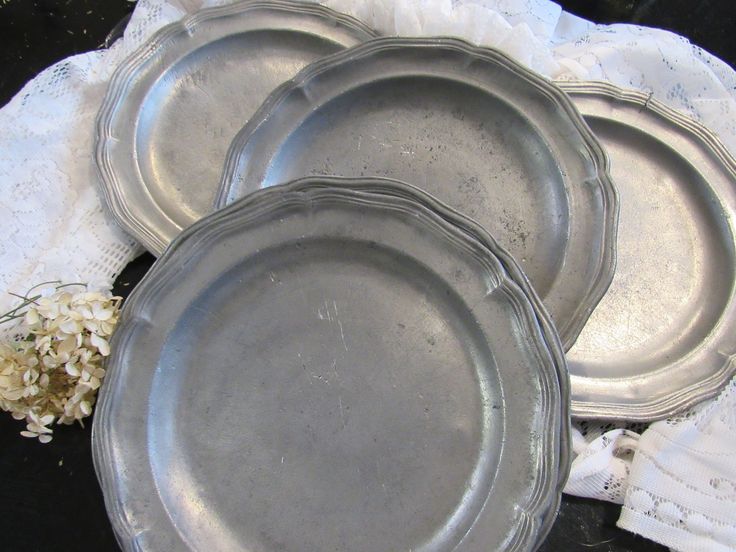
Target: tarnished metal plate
174,106
469,125
322,368
662,338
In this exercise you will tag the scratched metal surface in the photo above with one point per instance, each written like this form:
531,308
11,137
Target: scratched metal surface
173,107
661,340
332,370
469,125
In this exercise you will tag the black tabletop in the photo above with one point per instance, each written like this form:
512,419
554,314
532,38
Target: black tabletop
50,500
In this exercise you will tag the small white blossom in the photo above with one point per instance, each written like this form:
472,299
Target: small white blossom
53,376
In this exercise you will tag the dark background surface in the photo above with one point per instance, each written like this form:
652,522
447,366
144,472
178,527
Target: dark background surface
49,497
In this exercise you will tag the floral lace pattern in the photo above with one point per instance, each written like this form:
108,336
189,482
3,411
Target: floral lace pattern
673,523
602,463
682,486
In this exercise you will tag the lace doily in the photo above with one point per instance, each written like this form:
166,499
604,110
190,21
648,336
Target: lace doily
676,481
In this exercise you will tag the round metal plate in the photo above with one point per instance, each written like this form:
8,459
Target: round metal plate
318,368
661,339
468,125
174,106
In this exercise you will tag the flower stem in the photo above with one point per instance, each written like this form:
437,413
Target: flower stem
14,314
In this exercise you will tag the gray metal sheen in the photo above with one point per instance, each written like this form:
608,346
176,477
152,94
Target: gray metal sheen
467,124
662,338
173,107
333,365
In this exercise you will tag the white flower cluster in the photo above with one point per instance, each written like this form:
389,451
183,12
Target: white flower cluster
53,375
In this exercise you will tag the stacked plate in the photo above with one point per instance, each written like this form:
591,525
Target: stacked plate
361,347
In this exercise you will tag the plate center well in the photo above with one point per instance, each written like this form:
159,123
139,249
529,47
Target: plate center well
463,145
350,407
193,112
675,261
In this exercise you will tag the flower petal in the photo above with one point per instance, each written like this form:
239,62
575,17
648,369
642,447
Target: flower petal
100,312
85,407
72,369
68,345
12,394
101,343
32,317
70,326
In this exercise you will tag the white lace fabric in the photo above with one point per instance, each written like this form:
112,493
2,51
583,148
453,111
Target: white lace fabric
676,479
52,221
682,491
601,465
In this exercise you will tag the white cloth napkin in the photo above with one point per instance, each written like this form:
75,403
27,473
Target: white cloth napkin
677,481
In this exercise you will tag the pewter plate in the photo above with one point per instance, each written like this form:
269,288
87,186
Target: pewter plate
318,368
477,234
662,338
174,106
470,126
